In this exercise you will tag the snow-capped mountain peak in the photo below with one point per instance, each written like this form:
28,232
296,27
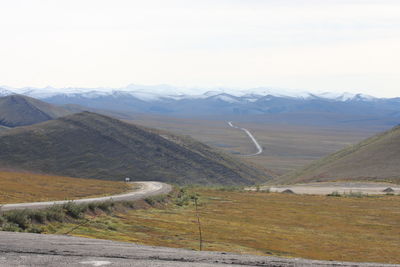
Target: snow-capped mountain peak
150,93
5,92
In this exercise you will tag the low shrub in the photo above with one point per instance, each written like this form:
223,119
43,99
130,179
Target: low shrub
10,227
266,190
231,188
55,213
75,210
334,194
129,204
92,206
106,206
183,198
33,220
38,216
20,218
2,220
36,229
356,194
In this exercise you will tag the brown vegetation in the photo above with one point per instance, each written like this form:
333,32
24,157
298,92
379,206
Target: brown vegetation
374,159
286,147
317,227
17,187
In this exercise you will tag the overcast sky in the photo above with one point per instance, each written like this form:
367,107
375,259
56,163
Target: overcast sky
322,45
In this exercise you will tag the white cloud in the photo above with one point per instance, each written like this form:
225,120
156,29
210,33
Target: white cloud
321,45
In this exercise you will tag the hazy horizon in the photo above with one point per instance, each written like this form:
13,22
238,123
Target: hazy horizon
168,89
308,45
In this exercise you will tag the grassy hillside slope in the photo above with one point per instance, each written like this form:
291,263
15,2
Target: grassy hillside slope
17,187
95,146
18,110
375,159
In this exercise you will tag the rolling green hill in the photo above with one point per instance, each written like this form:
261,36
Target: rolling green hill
374,159
18,110
95,146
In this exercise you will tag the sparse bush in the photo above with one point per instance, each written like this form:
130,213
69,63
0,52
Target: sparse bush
128,204
55,213
20,218
92,206
112,228
38,216
32,220
266,190
183,198
334,194
75,210
156,199
10,227
150,201
231,188
36,229
106,206
356,194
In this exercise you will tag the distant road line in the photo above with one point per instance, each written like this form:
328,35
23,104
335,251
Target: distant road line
253,139
146,189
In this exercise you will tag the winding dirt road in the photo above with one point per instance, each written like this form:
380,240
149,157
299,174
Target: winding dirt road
253,139
146,189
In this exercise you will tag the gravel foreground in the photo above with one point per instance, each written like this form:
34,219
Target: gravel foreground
24,249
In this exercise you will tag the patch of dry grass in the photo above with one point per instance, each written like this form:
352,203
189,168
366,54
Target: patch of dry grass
16,187
316,227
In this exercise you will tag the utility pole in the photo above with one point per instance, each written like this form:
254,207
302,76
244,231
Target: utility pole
198,222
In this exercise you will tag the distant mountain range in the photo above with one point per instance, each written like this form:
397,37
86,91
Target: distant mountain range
167,92
90,145
283,105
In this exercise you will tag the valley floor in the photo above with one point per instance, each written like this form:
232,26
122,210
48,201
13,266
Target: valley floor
363,229
286,147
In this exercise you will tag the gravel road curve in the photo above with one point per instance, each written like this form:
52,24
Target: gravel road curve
253,139
146,189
